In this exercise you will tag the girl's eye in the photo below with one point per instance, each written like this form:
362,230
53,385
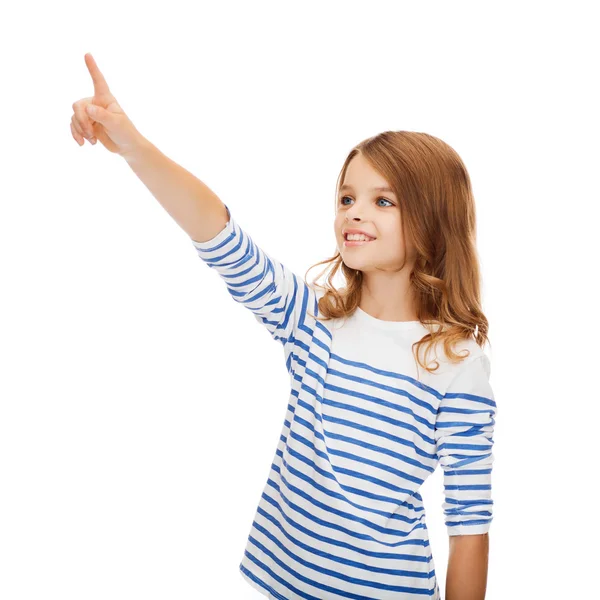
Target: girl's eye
380,198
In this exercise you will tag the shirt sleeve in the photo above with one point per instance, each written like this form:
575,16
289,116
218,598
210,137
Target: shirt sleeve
464,439
276,296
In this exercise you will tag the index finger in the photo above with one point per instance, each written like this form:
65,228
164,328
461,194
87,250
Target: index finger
100,85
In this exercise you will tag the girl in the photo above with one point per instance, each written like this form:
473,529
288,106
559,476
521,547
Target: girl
369,415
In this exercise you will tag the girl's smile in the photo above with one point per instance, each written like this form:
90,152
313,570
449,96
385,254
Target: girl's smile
357,242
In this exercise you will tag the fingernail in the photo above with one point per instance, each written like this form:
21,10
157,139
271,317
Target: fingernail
93,140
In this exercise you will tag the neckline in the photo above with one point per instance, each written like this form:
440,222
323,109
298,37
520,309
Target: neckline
364,317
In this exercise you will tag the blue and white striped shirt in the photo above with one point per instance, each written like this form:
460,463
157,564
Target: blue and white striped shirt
341,515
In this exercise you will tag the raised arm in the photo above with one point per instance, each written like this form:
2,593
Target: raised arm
277,297
254,279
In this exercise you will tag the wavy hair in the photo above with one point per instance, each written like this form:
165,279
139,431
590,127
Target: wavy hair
438,215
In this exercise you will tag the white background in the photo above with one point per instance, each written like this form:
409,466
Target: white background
141,406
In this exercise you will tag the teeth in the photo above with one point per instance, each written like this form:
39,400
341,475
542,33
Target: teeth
357,237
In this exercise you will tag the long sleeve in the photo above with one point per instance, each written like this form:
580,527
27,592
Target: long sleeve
277,297
464,440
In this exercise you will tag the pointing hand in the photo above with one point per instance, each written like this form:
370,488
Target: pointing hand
100,117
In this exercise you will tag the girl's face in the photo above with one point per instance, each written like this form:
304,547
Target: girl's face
377,212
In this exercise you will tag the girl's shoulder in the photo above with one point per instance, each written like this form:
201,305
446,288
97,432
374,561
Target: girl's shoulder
471,353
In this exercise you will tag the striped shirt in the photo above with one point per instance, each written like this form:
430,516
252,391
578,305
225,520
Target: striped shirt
341,515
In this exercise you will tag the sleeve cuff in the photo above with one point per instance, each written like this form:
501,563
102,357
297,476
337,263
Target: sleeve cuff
468,529
217,239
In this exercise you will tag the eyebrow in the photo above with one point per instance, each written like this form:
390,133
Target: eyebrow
375,189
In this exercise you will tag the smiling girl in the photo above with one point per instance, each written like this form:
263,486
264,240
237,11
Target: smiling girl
369,415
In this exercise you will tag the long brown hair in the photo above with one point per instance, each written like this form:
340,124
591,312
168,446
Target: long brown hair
438,214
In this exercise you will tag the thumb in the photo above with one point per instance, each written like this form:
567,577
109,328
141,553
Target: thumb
97,113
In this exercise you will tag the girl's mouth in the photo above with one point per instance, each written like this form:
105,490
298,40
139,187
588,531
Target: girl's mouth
357,242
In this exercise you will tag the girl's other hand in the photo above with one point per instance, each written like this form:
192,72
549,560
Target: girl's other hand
101,118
